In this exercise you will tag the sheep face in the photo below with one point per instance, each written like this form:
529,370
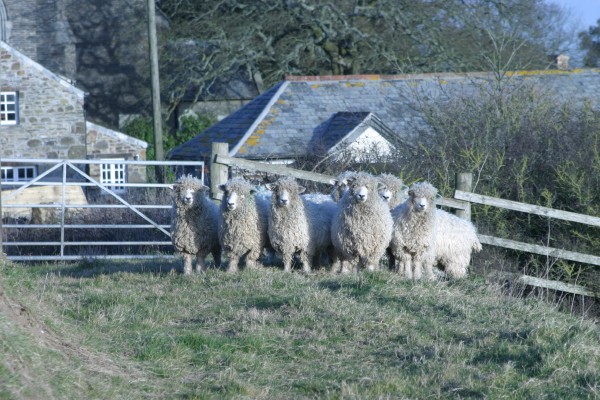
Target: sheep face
422,196
358,189
386,195
420,204
186,196
282,197
389,196
283,192
235,193
394,192
186,188
360,193
231,198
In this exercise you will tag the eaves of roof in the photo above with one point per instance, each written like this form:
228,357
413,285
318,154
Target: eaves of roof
233,129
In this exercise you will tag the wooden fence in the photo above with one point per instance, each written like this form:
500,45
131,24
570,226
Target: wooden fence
461,202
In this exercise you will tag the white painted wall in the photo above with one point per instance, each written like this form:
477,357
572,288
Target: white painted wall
368,147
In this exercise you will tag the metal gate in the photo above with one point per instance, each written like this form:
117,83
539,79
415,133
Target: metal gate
63,213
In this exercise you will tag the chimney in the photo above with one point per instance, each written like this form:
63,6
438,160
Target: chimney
562,62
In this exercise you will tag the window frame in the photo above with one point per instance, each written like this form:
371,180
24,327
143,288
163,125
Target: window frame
18,174
113,174
9,109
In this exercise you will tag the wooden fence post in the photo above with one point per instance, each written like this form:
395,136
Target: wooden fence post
464,182
219,173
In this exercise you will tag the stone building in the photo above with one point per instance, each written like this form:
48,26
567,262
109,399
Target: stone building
100,45
42,116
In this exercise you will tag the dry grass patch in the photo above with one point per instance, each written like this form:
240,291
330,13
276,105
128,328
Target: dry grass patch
266,334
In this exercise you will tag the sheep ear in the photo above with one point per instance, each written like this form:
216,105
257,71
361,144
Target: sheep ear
301,189
381,186
253,191
334,182
411,192
404,188
438,196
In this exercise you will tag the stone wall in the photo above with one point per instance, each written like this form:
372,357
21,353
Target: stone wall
106,143
40,30
99,44
51,116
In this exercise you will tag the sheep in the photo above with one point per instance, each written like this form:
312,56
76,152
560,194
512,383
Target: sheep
362,226
299,224
455,240
244,221
427,236
413,238
393,193
194,224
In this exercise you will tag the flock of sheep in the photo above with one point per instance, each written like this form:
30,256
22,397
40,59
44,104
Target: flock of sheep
363,220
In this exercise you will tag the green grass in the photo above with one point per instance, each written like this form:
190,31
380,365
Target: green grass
123,330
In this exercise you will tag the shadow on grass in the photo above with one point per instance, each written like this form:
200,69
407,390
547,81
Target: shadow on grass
91,268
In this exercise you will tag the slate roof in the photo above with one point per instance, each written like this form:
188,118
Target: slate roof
306,115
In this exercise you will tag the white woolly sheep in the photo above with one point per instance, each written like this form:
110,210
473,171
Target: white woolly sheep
244,220
299,224
413,238
393,193
455,240
362,227
194,224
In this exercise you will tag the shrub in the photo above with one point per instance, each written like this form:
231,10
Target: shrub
522,144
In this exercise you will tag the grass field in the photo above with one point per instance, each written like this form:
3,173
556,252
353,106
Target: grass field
125,330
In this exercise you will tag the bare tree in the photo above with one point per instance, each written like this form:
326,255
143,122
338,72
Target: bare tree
225,39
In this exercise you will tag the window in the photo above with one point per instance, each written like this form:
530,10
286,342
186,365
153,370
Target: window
9,114
113,174
18,174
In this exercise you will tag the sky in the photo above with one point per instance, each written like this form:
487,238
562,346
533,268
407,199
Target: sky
587,11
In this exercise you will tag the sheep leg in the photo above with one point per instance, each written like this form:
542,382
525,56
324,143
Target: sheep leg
200,263
187,264
357,264
287,262
372,264
427,265
306,258
234,261
346,267
252,258
334,259
417,269
428,268
405,267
